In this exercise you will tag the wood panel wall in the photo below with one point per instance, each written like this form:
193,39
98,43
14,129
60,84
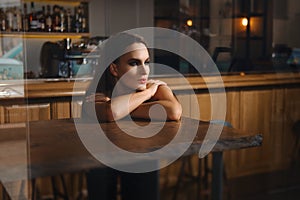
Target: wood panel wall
270,111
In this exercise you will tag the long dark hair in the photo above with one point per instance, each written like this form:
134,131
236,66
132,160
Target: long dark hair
115,45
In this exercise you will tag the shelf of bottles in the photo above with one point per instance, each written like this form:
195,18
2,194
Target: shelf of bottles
39,18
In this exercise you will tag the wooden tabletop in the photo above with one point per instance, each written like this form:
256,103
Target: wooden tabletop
45,148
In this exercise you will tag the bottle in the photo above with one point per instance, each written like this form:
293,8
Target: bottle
56,18
19,20
76,23
68,20
14,19
84,21
25,18
9,18
2,20
42,20
48,19
62,20
79,20
33,21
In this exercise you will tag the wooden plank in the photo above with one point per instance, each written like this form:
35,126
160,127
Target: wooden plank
23,113
60,110
291,114
2,115
76,108
256,112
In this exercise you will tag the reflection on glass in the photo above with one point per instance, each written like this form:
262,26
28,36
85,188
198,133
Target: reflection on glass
252,29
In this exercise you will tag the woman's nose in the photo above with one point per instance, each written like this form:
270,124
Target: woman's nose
143,69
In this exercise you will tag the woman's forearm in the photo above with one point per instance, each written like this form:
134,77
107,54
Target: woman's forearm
160,110
118,107
122,106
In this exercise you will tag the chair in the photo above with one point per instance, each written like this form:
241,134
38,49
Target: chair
231,63
223,65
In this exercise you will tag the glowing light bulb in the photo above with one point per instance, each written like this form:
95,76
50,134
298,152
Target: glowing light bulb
245,21
189,22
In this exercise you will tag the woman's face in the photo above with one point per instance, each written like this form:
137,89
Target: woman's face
132,69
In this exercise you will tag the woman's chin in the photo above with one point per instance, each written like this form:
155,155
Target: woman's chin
141,88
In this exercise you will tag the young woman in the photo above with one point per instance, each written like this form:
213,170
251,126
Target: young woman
124,89
134,88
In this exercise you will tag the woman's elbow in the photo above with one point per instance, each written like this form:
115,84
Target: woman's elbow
113,116
175,113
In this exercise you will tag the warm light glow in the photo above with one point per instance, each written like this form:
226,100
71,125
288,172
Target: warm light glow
245,21
189,22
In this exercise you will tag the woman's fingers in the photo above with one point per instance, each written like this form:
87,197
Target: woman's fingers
153,85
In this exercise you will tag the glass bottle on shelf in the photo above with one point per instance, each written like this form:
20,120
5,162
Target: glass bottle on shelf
56,18
9,18
42,20
62,20
84,20
77,20
68,20
49,19
33,20
14,19
80,20
25,18
19,23
2,20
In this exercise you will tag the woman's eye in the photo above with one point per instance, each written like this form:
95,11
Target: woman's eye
134,63
147,63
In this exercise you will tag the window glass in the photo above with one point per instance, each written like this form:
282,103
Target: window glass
240,35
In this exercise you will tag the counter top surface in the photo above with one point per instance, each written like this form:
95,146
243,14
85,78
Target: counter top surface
61,87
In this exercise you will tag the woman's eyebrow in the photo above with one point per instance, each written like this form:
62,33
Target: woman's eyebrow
137,60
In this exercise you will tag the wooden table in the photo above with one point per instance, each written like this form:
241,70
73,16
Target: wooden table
46,148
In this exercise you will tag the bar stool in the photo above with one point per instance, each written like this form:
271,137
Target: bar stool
203,172
55,181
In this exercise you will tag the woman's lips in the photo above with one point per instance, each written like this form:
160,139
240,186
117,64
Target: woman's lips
142,81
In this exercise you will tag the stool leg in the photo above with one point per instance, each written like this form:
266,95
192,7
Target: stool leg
206,175
181,174
80,186
199,177
217,176
56,192
65,195
4,194
33,189
54,188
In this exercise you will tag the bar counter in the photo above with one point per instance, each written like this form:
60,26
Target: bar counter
267,103
63,87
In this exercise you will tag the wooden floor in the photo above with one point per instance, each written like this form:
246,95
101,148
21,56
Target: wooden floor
279,185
